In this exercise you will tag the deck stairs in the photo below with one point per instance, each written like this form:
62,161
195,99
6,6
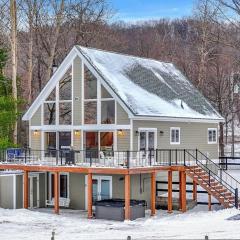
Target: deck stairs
211,177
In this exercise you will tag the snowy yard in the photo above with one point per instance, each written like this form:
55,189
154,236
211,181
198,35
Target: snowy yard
195,224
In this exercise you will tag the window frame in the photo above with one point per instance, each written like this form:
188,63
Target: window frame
50,184
98,101
216,140
174,129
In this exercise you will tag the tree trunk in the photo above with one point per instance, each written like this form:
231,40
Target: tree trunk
13,13
55,39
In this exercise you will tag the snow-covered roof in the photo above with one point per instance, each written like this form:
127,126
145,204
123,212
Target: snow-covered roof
150,88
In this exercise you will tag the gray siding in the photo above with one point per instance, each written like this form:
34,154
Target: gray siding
140,187
122,116
77,141
77,190
42,190
35,141
77,91
36,119
123,141
6,191
192,135
19,193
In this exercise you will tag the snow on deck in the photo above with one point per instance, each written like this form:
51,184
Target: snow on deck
149,87
70,224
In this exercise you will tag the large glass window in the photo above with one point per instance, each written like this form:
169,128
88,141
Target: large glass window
50,113
65,113
90,115
64,140
90,84
108,112
65,87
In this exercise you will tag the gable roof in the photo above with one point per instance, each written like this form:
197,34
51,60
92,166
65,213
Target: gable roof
147,88
150,88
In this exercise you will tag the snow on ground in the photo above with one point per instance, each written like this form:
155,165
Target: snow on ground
70,224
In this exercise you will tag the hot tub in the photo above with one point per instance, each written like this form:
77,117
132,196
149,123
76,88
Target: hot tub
113,209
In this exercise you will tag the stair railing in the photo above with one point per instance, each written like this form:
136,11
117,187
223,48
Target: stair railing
217,173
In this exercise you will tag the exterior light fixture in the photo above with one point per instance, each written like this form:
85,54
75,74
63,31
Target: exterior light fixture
161,133
36,133
120,133
77,133
137,133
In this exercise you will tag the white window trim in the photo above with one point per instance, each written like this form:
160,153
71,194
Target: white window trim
50,184
212,129
175,128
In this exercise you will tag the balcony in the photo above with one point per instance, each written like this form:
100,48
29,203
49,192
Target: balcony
101,159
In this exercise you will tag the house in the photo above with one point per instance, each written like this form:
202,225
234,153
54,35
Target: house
127,121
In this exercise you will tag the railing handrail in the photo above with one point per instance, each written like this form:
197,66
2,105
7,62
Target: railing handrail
220,168
214,175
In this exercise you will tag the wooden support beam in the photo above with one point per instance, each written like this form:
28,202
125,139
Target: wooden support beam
194,190
90,196
209,202
153,193
183,188
26,190
127,196
56,192
180,191
169,191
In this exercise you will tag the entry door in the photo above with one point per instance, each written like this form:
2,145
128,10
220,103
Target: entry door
33,197
102,188
147,140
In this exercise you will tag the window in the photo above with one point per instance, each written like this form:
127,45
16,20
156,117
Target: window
90,112
90,85
58,105
63,185
212,135
49,113
174,135
65,113
108,112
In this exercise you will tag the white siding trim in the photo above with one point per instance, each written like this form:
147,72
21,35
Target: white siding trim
80,127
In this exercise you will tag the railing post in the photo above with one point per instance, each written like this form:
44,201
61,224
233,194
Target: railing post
209,175
236,198
25,155
196,155
176,155
170,160
184,157
150,155
156,155
128,159
90,158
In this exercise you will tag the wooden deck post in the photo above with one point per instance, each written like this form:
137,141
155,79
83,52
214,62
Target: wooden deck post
56,192
209,202
153,193
194,190
169,191
127,196
183,187
26,189
180,191
90,196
